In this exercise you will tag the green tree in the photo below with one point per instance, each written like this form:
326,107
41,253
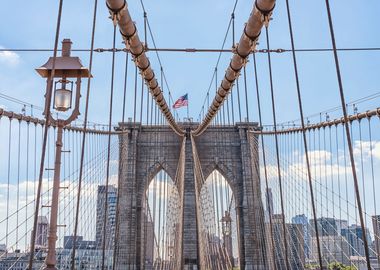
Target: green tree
339,266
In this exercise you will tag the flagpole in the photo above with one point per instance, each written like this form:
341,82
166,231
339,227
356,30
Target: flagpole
188,118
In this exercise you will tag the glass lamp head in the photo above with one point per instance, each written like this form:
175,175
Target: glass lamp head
63,95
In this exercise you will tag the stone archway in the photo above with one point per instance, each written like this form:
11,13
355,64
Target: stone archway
230,153
161,218
219,208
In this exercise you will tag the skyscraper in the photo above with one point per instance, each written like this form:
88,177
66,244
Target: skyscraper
354,236
295,244
341,224
376,232
111,215
303,220
269,204
269,198
42,232
326,226
334,248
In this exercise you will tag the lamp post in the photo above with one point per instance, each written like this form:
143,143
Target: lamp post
171,254
65,67
227,237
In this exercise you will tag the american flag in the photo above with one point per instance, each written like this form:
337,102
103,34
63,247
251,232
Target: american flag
181,102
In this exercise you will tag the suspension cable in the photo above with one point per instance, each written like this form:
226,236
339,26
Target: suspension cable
8,177
230,23
264,161
84,139
125,87
195,50
348,136
277,152
336,108
109,147
48,96
129,33
304,135
238,98
141,102
247,44
246,94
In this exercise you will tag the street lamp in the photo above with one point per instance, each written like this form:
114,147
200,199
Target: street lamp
170,252
227,237
65,67
226,224
62,95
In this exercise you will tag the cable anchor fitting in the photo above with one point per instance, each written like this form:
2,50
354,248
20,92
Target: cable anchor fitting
117,13
265,14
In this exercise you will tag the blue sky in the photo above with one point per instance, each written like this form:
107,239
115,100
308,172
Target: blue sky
199,24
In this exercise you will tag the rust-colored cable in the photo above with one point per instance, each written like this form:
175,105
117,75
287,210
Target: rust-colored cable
128,30
278,166
83,141
49,89
104,238
260,15
348,136
304,136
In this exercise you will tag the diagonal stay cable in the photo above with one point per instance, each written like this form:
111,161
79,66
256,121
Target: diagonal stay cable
128,30
348,135
84,139
264,160
230,23
304,136
148,26
277,153
49,89
109,146
259,16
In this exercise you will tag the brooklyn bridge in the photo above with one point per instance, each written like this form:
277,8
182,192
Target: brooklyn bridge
110,160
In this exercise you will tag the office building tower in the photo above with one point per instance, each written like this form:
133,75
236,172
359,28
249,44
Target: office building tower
42,232
354,236
304,222
376,234
326,227
334,248
295,244
111,216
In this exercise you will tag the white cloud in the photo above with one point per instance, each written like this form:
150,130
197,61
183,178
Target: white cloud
318,157
365,148
9,58
22,212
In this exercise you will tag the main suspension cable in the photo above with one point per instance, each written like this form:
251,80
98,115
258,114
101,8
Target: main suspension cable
129,32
